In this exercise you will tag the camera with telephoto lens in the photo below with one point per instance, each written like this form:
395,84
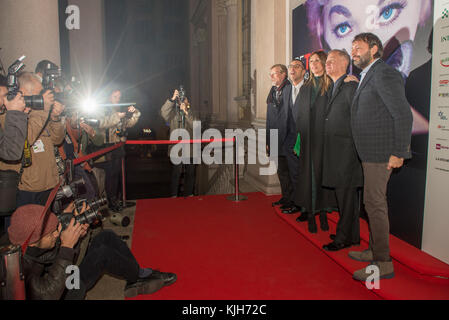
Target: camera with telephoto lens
90,122
182,94
91,216
33,102
181,99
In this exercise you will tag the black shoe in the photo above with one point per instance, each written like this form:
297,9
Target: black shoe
292,210
323,221
333,237
168,277
144,286
279,203
312,224
287,206
335,246
303,217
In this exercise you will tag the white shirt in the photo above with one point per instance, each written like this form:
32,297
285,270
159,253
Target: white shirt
365,71
295,90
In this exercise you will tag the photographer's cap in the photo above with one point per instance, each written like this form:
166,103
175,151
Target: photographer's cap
27,221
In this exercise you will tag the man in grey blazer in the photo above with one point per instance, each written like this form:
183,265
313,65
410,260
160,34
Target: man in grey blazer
382,126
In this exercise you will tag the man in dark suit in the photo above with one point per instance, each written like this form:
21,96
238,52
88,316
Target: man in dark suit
342,170
382,126
278,110
296,72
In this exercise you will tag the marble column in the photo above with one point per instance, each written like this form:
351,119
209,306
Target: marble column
87,45
31,28
268,47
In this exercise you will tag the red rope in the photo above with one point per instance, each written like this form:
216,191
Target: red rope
161,142
97,154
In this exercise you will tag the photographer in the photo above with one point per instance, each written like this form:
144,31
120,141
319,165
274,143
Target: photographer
13,124
179,116
78,137
48,256
37,173
42,66
45,130
114,128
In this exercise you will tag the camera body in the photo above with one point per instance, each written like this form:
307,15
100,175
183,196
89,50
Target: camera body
69,190
91,216
51,73
33,102
182,94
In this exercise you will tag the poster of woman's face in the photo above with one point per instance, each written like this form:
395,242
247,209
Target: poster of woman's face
404,27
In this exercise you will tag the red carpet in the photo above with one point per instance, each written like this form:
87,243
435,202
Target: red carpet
221,250
412,266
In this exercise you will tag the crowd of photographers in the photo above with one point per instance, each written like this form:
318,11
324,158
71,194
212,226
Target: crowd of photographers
42,131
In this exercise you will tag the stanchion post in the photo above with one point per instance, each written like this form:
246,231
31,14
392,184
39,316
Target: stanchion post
123,182
236,197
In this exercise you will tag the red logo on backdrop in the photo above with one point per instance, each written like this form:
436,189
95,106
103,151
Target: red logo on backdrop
441,147
444,82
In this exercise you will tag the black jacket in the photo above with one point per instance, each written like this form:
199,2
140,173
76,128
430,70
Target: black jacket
310,125
12,135
341,164
381,117
44,270
277,113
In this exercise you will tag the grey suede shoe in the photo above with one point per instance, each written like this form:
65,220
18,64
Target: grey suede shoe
386,271
362,256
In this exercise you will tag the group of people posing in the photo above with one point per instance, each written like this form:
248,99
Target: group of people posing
337,134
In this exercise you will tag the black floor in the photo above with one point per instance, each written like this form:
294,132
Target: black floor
147,178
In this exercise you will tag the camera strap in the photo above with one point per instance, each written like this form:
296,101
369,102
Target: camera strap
44,213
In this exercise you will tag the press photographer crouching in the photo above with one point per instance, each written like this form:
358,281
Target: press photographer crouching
114,129
54,246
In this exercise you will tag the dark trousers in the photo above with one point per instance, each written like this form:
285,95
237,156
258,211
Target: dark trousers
40,198
288,172
107,253
189,179
348,227
113,170
375,198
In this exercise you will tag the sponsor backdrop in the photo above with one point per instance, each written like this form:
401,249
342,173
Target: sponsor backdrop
405,28
436,218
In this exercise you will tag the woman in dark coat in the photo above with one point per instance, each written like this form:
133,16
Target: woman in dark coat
310,194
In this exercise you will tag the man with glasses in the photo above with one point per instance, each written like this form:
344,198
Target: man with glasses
281,115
